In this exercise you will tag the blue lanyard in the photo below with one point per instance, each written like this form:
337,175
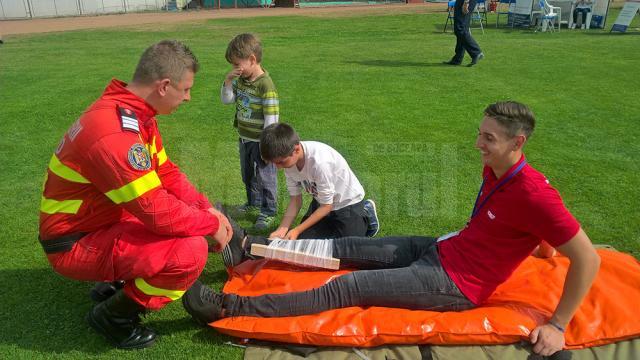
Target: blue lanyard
477,207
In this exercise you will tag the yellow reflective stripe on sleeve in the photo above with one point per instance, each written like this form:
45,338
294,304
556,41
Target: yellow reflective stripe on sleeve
162,157
50,206
135,188
152,147
154,291
65,172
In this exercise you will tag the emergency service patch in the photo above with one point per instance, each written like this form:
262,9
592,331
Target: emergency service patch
129,120
139,157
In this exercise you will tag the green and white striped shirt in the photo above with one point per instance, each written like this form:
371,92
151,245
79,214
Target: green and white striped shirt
256,102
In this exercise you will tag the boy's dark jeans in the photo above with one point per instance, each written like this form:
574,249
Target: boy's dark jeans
398,272
260,178
348,221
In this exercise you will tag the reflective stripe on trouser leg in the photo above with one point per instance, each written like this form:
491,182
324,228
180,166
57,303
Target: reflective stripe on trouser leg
151,290
129,251
162,269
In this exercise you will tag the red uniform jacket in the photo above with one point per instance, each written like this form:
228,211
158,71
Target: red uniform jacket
111,164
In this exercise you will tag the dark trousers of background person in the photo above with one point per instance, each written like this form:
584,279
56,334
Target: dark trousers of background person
260,178
348,221
464,40
399,272
584,12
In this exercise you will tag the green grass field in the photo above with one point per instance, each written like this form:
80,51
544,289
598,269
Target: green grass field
370,86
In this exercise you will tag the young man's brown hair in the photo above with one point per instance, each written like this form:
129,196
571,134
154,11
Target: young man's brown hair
513,116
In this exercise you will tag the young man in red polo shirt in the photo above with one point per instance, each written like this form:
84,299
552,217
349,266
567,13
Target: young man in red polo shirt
515,211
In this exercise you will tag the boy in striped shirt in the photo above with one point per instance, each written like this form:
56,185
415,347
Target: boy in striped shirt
251,89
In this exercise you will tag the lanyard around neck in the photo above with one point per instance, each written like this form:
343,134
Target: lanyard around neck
476,207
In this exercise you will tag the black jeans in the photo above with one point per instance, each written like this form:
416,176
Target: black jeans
464,40
398,272
348,221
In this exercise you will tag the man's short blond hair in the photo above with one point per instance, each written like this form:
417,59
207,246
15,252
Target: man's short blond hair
243,46
168,59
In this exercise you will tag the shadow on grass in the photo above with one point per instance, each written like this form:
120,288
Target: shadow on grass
247,220
209,336
44,312
204,335
395,63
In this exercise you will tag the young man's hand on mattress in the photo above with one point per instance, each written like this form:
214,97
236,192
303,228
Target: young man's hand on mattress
547,340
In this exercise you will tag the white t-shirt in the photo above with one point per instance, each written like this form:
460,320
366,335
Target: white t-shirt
326,176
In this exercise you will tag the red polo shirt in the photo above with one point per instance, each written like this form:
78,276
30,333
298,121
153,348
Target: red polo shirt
515,219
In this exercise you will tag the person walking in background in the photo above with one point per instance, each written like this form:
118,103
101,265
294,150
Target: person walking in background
462,13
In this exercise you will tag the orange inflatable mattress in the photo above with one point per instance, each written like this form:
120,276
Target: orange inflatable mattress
609,313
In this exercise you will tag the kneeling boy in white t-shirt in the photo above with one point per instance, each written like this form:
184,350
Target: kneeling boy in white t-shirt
338,208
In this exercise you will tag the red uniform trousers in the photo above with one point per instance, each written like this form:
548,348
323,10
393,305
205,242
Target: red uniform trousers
157,269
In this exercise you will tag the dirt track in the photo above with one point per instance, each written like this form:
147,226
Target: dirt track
11,27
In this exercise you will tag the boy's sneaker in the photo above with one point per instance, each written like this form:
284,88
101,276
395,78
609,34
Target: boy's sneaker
202,303
245,209
263,222
373,225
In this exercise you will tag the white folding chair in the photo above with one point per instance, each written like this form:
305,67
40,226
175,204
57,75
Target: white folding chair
549,15
479,14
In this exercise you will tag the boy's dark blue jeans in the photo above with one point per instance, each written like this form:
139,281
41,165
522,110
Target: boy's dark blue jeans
397,272
260,178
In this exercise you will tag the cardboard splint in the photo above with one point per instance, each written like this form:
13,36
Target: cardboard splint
608,314
293,257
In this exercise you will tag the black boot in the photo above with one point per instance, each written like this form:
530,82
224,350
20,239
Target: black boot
104,290
118,319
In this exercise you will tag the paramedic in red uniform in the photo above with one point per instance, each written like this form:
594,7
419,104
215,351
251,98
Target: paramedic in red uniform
114,206
515,210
